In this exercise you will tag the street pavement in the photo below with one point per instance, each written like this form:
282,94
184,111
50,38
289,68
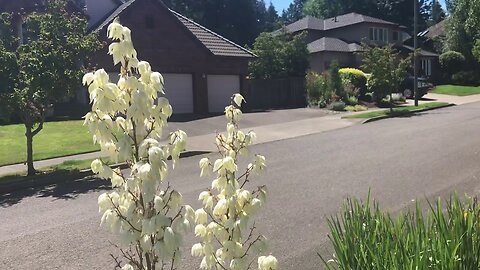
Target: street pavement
270,125
401,159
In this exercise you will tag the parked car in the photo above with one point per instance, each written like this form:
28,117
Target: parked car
407,87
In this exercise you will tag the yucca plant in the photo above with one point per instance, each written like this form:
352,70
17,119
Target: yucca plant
364,237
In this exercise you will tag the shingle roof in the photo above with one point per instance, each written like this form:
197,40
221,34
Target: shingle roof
332,45
217,44
434,30
214,42
422,52
308,22
334,22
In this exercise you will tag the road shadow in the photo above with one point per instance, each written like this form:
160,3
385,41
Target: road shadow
188,117
66,190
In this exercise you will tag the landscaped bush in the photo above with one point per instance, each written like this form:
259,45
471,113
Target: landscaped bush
338,106
318,93
364,237
451,60
356,78
335,84
466,78
356,108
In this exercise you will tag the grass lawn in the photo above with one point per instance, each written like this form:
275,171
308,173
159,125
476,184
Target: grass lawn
397,111
456,90
66,166
55,140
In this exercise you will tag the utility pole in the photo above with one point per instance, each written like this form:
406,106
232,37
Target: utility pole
415,45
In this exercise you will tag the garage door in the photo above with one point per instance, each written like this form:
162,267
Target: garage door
220,90
179,91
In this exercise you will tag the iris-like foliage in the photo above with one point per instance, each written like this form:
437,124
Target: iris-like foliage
364,237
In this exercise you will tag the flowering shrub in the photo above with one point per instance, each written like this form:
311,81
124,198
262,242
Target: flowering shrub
127,120
223,224
353,71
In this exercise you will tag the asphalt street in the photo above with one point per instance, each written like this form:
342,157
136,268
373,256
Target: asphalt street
402,159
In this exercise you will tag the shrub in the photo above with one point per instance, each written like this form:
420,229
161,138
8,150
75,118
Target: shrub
318,93
356,78
338,106
352,100
451,60
466,78
360,108
365,237
388,69
356,108
335,84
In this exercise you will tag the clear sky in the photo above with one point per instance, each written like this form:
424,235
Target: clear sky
283,4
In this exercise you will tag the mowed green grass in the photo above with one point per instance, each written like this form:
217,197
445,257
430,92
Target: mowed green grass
55,140
456,90
398,111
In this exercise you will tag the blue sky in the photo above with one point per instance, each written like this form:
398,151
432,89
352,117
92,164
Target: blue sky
283,4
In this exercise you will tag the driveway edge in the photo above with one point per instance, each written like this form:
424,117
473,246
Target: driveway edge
373,119
62,176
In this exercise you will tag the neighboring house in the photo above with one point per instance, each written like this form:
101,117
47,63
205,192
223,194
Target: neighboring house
340,38
434,36
201,68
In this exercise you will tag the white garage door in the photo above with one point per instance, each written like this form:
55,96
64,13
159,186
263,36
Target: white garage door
179,91
220,90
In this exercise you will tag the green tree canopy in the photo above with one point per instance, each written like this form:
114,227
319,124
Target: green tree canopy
238,20
279,56
463,27
294,12
44,66
398,11
387,68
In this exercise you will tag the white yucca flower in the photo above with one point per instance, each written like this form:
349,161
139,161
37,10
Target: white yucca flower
127,120
228,207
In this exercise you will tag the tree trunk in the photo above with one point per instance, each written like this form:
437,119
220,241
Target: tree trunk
29,136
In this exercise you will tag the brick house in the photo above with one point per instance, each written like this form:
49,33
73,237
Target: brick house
339,38
201,68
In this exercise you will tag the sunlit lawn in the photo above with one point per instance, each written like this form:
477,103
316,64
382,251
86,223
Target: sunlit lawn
398,111
55,140
456,90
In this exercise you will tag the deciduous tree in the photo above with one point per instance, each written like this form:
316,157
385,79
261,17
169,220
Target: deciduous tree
47,64
280,55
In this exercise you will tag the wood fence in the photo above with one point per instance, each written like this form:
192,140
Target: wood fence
275,93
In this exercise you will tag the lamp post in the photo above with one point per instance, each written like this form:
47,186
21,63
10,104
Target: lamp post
415,45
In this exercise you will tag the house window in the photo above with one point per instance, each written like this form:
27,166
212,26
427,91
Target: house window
395,36
427,67
149,22
378,34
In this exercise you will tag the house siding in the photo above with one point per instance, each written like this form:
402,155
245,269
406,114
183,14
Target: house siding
360,33
171,48
319,62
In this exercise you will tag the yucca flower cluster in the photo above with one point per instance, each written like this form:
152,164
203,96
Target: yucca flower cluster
224,225
127,120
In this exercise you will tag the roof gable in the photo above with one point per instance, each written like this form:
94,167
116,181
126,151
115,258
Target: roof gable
332,45
213,42
312,23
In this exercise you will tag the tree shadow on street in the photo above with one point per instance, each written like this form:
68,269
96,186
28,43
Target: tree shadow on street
66,190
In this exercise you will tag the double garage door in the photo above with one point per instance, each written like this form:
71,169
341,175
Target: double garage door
179,91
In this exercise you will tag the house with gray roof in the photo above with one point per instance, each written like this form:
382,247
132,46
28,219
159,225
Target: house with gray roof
202,69
339,39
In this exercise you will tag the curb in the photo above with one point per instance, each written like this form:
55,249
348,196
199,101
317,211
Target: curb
373,119
43,180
